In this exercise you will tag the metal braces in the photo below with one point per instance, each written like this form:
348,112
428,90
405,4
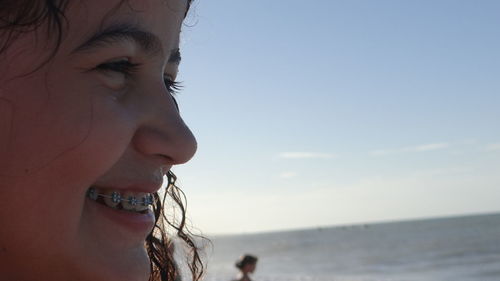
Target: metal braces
117,198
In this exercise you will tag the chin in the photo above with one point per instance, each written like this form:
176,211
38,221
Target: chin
125,267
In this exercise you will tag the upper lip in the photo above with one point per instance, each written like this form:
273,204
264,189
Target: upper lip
146,187
148,182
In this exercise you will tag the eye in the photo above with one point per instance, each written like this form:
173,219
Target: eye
173,87
127,68
116,72
122,65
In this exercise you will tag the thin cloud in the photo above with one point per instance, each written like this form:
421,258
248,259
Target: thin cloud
305,155
428,147
492,147
418,148
287,175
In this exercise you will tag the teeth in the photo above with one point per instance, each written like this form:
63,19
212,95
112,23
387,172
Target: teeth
148,199
92,193
130,201
112,198
142,204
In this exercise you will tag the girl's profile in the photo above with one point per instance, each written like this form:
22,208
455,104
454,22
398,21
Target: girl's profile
89,127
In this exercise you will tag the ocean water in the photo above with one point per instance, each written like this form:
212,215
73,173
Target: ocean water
456,249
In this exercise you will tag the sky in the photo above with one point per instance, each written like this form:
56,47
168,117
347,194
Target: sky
323,113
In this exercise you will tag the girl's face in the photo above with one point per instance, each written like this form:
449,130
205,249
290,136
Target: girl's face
98,114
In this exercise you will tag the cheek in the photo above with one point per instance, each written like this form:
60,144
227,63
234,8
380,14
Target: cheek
43,125
44,122
6,112
58,140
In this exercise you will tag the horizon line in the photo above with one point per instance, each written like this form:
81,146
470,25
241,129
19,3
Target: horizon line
354,224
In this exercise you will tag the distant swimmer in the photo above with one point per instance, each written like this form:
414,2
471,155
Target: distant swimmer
246,264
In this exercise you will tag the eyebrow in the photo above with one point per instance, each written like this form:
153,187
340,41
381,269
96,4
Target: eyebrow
119,33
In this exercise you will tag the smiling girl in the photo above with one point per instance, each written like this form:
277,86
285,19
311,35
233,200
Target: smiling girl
89,127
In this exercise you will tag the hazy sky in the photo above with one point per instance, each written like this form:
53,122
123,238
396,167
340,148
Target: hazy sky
317,113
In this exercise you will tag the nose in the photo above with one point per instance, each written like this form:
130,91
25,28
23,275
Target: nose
162,131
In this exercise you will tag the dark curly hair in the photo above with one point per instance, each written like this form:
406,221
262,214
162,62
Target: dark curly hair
18,17
163,265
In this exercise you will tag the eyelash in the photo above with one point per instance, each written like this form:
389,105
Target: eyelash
128,68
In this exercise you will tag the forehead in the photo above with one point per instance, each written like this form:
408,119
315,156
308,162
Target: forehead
161,17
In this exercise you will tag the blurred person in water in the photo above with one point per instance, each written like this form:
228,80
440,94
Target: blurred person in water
246,265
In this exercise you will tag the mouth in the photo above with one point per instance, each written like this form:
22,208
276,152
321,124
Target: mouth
126,201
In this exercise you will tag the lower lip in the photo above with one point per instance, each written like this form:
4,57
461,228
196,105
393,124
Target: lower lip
135,222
